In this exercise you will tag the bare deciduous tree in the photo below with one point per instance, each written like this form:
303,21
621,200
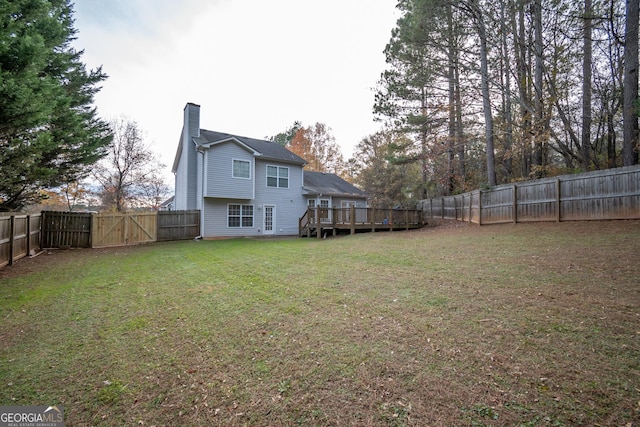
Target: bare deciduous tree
128,174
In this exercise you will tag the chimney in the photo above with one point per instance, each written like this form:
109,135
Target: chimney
192,120
191,130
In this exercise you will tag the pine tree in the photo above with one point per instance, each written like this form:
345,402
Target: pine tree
49,131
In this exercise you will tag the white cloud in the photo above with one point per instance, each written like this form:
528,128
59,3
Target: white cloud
254,66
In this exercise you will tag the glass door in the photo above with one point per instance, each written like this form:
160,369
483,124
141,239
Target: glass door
269,219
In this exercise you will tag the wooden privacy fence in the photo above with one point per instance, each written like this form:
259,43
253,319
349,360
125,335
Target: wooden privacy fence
123,229
599,195
19,237
66,230
87,230
178,225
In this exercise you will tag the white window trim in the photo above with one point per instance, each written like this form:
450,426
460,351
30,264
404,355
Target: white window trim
232,168
253,216
278,176
328,207
273,220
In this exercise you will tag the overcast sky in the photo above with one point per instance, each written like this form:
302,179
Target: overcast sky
254,66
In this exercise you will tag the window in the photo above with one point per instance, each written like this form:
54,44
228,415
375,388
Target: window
240,215
277,177
241,169
324,210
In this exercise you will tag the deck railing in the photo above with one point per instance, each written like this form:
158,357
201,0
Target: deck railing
352,218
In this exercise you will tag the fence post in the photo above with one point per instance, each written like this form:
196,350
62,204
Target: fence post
431,209
558,199
479,207
470,205
12,219
28,235
515,203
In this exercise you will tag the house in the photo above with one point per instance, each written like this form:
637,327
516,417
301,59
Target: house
167,205
249,187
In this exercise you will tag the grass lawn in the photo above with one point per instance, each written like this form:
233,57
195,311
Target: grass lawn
519,325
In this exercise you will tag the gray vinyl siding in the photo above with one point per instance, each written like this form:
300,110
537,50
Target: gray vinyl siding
215,219
336,202
360,203
290,203
180,198
289,206
192,129
186,179
192,178
219,168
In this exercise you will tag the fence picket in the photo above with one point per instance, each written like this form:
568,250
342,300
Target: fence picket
598,195
19,237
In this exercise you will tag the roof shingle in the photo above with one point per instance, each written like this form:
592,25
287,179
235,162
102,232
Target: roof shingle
330,185
267,149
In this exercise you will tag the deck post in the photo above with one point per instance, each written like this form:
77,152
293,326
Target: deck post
333,222
352,215
373,220
318,224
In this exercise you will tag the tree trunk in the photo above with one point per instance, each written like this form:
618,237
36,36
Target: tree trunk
538,149
452,104
507,107
462,170
520,50
423,145
586,87
611,142
486,99
630,89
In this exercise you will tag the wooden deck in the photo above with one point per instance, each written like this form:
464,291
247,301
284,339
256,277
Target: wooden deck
320,222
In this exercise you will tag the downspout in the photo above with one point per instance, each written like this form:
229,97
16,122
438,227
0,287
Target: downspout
201,168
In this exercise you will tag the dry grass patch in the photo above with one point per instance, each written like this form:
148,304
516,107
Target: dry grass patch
532,324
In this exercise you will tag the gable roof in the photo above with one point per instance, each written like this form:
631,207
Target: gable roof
265,149
167,202
176,158
328,184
